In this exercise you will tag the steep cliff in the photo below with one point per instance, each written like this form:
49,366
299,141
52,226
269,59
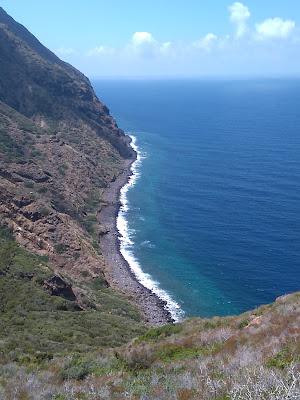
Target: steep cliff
36,83
59,149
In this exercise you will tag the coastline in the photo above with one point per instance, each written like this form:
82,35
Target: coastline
120,274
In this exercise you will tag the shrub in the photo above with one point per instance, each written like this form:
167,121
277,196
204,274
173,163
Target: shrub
59,397
172,352
137,358
60,248
161,332
185,394
62,169
243,323
9,146
77,369
29,185
42,189
35,153
96,246
89,224
44,211
98,283
281,360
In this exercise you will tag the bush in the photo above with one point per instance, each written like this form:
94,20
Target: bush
9,146
161,332
44,211
89,224
281,360
172,352
62,169
42,189
59,397
60,248
35,153
77,369
137,358
29,185
243,323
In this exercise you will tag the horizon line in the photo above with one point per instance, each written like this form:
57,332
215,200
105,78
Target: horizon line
195,77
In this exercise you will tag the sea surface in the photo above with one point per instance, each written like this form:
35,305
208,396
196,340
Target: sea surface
211,216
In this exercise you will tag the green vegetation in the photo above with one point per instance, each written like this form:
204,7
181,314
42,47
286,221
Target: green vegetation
161,332
78,368
173,352
48,336
21,121
34,326
89,224
35,153
29,185
42,189
60,248
8,146
92,201
283,359
243,323
44,211
63,169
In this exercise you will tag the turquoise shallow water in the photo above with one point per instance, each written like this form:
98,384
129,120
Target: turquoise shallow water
215,214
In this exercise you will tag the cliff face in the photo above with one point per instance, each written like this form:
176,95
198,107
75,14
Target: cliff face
59,149
36,83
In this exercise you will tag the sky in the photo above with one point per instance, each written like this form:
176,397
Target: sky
168,38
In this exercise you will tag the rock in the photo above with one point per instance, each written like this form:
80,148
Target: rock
58,287
255,322
22,201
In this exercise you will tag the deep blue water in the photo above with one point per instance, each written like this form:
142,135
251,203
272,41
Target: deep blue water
216,212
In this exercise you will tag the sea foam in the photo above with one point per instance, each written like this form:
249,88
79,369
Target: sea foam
127,243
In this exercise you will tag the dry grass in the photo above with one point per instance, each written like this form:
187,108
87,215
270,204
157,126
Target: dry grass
251,357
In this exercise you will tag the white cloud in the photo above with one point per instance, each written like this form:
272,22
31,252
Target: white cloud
144,45
100,50
165,47
206,42
239,14
275,28
144,54
65,51
141,38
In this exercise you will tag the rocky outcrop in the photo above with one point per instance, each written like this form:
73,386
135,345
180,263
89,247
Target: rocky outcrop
58,287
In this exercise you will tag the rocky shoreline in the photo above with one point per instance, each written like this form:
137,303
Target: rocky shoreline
120,275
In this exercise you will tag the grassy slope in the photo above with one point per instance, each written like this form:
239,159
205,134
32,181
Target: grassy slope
35,325
51,350
252,356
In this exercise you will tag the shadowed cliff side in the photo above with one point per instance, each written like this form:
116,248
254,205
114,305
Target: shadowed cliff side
59,150
36,83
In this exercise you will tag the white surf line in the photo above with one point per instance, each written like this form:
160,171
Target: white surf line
127,244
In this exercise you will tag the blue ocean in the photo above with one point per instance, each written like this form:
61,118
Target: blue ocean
213,213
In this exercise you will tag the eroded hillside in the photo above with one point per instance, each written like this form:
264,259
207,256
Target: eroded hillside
59,149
